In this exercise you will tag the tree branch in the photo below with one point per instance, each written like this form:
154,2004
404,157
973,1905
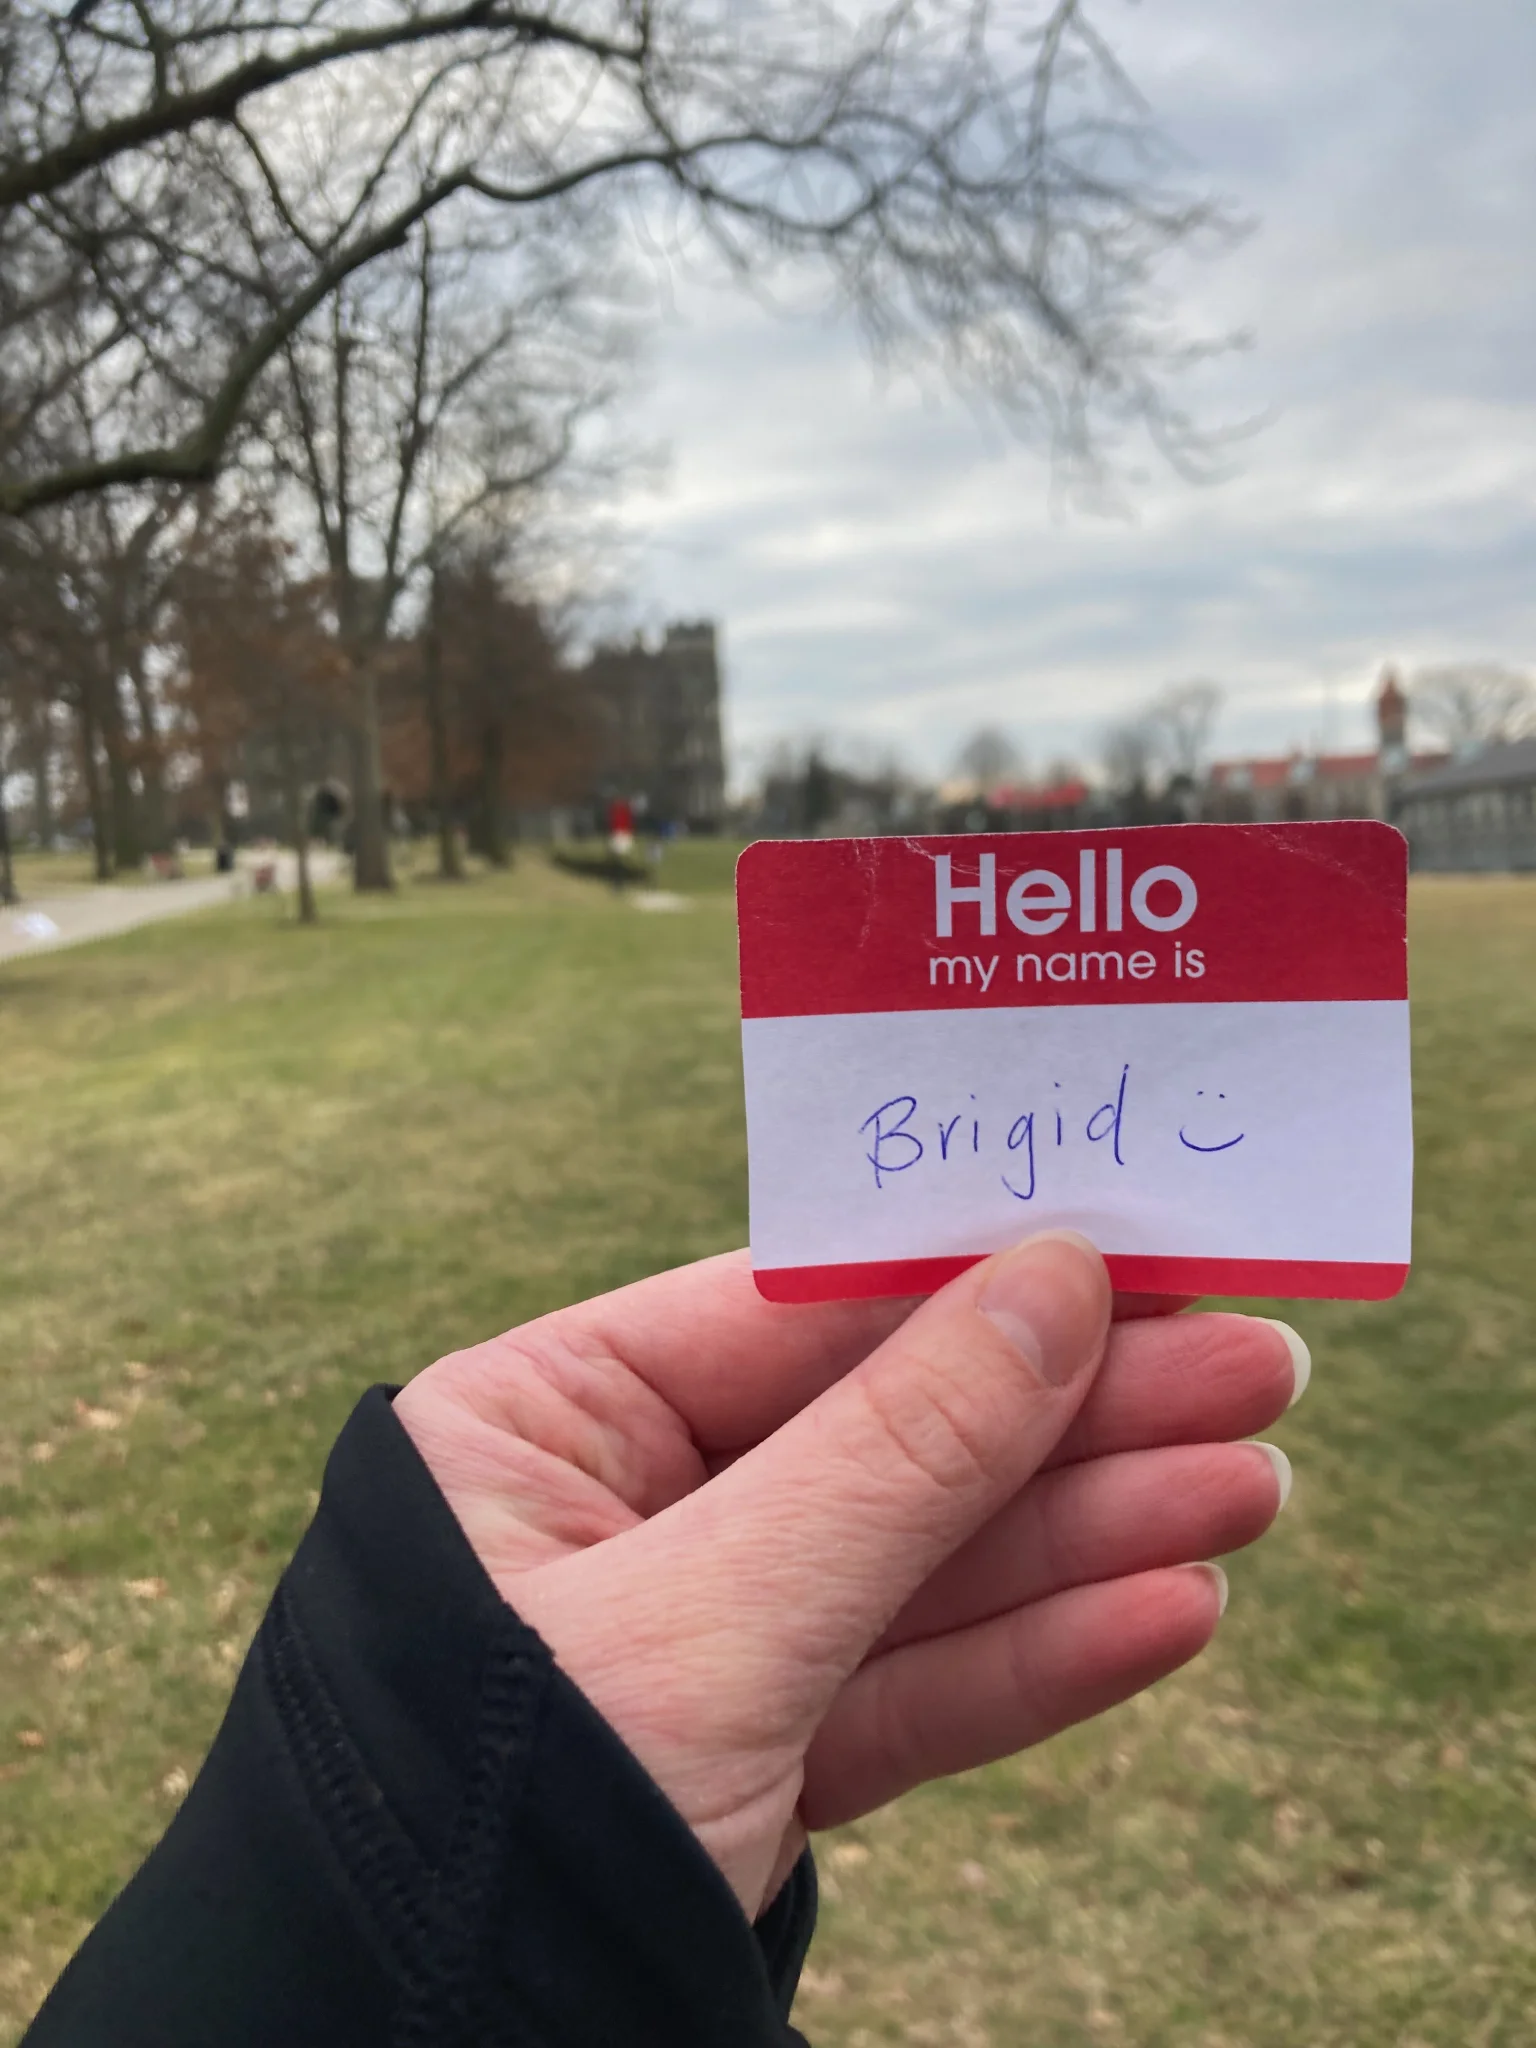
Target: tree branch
88,148
196,457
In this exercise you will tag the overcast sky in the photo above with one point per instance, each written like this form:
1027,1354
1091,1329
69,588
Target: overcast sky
888,570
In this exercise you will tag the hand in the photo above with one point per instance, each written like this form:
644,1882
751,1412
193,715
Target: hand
803,1559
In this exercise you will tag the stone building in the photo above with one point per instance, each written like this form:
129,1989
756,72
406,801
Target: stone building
656,715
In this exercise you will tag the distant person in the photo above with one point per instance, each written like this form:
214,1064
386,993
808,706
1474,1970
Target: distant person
597,1619
621,828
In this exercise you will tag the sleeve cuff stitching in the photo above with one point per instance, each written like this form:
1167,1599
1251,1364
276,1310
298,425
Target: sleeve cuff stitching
382,1863
467,1894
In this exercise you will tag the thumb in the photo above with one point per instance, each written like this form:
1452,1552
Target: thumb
788,1565
840,1516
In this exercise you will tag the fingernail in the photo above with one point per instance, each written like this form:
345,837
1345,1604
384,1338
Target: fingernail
1301,1357
1218,1579
1050,1298
1280,1465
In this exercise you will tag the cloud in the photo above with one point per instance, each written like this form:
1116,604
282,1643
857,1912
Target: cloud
886,564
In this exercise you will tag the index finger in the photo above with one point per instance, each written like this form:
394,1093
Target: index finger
735,1367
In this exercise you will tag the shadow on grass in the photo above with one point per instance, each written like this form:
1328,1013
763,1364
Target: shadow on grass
600,866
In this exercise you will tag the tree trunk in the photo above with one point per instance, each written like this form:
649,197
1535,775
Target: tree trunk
493,837
216,811
370,860
156,829
127,844
40,759
90,769
298,830
474,830
307,911
7,877
450,868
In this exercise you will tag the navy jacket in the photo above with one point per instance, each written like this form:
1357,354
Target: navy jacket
413,1831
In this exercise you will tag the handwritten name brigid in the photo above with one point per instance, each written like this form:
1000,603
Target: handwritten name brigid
904,1134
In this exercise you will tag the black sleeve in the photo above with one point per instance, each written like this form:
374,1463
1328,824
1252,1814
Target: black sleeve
413,1831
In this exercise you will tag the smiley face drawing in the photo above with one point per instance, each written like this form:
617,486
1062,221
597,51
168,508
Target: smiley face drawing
1204,1120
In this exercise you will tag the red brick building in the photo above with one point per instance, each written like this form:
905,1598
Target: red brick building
1303,785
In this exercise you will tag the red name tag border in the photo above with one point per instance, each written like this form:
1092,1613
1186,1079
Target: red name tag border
1130,1273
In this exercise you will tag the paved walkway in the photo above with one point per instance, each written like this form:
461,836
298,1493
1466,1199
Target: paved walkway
42,924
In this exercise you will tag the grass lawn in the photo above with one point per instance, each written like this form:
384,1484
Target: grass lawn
250,1169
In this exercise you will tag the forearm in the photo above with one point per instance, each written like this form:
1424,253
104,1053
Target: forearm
412,1828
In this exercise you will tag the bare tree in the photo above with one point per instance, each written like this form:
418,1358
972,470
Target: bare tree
441,388
23,705
1154,758
435,709
989,758
33,745
260,666
1129,750
839,782
976,179
1182,719
1473,704
8,726
89,579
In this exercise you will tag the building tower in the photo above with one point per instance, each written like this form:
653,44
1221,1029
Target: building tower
1392,724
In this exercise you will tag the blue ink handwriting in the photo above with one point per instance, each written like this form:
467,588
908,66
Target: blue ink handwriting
893,1144
1226,1143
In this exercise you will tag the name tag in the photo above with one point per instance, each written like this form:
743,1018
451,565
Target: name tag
1188,1042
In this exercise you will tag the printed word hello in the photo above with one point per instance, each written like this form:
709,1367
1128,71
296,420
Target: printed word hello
1040,901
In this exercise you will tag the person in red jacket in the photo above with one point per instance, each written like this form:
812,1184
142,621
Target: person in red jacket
621,828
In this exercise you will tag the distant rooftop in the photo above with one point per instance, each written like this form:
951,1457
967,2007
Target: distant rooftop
1495,767
1287,771
1055,796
